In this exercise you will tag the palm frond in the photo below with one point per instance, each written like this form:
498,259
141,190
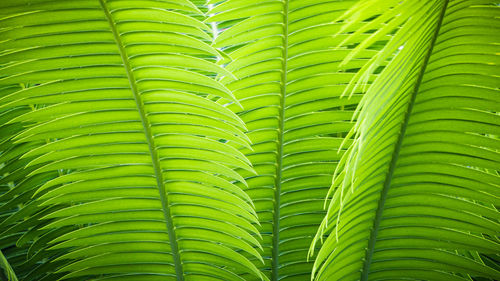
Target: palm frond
290,80
418,195
16,189
6,272
142,186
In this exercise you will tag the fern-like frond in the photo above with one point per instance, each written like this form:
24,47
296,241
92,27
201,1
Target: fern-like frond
418,195
6,272
290,80
142,186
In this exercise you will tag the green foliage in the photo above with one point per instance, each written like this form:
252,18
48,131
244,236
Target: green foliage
418,190
184,140
139,186
6,272
289,86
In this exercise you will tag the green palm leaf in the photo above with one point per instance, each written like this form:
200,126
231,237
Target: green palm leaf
417,198
6,272
289,86
117,164
125,153
15,188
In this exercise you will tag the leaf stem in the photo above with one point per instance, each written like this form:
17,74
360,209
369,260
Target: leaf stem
279,156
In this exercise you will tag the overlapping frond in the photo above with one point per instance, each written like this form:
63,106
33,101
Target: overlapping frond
6,271
418,195
16,189
141,185
117,164
290,80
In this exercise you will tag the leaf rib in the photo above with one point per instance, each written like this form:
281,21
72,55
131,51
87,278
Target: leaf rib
151,145
395,155
279,156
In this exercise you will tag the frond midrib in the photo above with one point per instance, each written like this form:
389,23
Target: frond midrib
279,156
395,155
151,145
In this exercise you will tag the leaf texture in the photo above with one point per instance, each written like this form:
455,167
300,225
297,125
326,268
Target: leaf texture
6,272
289,85
141,185
418,194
